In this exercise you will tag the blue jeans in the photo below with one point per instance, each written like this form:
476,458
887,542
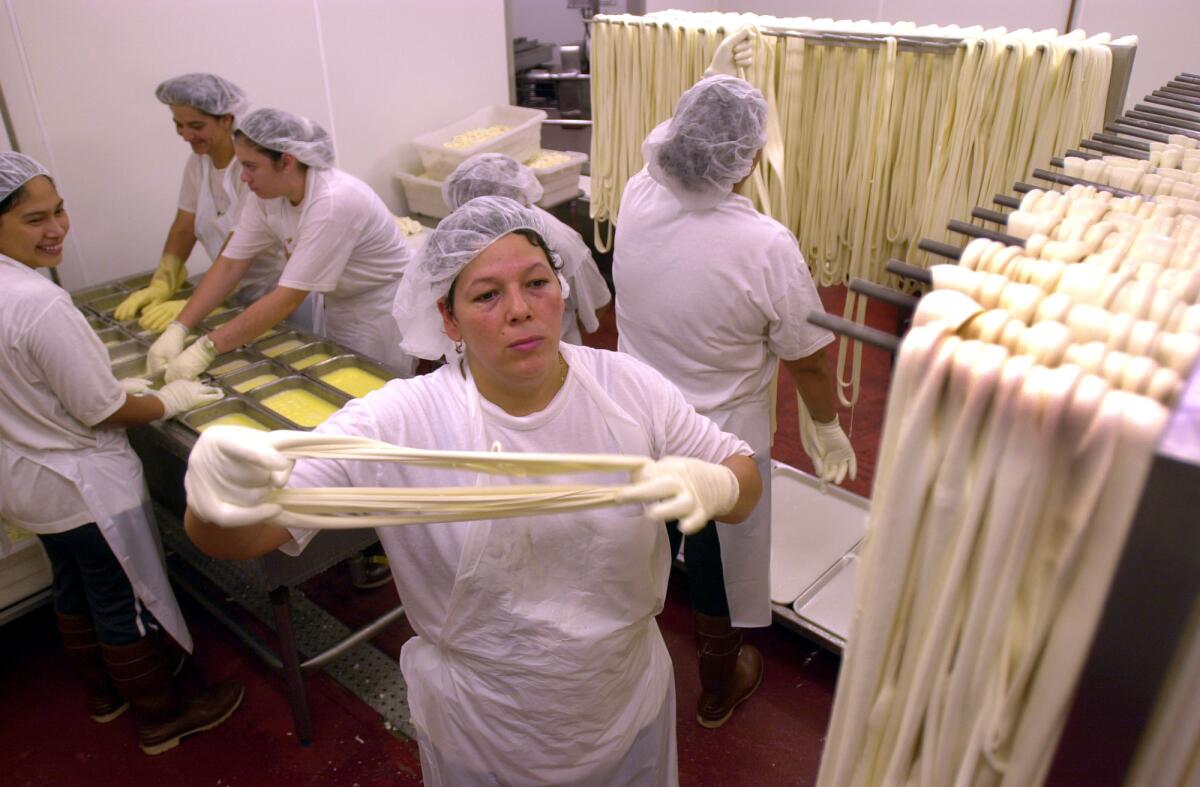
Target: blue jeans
89,580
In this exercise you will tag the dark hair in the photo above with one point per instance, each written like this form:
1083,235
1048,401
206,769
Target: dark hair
534,240
14,199
275,155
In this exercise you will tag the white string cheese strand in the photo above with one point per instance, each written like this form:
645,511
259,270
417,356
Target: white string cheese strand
356,507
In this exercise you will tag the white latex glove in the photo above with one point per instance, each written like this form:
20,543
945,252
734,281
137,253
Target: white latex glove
183,395
734,52
690,490
135,385
231,472
166,348
189,364
831,453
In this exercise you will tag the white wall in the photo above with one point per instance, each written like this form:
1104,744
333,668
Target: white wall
375,72
1166,31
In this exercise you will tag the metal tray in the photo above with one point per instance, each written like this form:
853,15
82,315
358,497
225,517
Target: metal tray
123,351
243,358
317,370
96,322
295,358
136,367
137,282
212,322
270,346
112,335
811,529
107,304
197,418
231,381
297,382
86,297
828,605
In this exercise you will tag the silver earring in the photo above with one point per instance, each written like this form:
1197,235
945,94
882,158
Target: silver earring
458,347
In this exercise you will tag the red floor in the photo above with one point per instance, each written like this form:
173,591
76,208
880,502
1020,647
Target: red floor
47,739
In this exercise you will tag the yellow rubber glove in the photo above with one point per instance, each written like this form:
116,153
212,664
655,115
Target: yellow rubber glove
163,284
158,317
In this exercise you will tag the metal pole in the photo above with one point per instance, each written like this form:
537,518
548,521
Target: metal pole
971,231
860,333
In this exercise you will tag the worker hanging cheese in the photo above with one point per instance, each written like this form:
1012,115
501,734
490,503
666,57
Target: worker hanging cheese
713,294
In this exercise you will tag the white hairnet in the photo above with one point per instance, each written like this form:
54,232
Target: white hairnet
285,132
491,175
17,169
208,93
458,239
719,125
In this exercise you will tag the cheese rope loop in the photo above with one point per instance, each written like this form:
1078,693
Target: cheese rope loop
356,507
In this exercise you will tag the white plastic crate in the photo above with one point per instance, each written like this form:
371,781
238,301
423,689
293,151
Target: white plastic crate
423,195
521,141
561,181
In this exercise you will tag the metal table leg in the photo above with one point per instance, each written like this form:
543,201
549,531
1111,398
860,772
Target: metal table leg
291,663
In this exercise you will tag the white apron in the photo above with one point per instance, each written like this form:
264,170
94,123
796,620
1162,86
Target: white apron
212,228
364,323
109,478
469,684
746,548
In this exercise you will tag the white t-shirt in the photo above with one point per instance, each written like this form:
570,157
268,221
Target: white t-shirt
429,412
55,386
711,298
215,222
340,240
589,291
195,171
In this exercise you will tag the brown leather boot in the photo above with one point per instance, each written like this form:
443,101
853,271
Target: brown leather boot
142,674
729,671
79,640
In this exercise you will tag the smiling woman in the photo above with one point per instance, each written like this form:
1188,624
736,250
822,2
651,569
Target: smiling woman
535,611
204,109
72,479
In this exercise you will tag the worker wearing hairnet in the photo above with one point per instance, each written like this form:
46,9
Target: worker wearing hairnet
537,658
204,108
498,175
68,475
714,294
339,239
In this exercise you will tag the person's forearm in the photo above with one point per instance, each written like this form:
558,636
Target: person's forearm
181,239
136,410
267,312
814,383
216,285
234,543
749,487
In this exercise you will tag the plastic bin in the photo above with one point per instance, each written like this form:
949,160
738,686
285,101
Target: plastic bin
522,141
423,195
561,181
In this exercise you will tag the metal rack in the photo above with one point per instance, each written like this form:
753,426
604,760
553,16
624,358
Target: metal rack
1157,582
1118,83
